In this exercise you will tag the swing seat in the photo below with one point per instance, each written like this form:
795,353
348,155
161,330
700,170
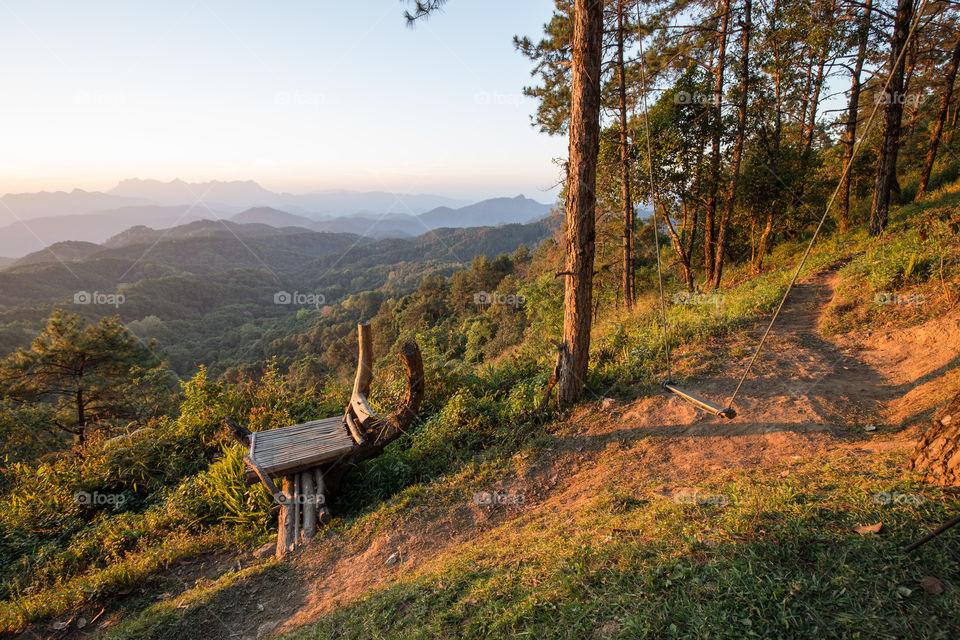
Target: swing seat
703,403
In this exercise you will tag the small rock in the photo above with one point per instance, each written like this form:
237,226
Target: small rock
608,403
393,559
870,427
81,623
932,585
60,625
266,629
259,607
266,551
945,420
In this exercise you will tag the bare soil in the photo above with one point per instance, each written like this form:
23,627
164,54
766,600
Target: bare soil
863,392
806,395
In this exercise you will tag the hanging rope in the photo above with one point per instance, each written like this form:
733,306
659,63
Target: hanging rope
653,200
816,233
823,218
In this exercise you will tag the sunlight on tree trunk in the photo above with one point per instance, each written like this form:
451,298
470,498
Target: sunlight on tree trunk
581,196
890,138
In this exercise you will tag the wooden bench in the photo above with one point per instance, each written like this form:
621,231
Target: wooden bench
292,449
312,457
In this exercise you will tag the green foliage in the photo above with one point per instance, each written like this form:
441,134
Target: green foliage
178,484
899,262
781,549
123,504
88,374
231,499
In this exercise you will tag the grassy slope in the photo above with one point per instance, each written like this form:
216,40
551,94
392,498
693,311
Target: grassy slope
779,559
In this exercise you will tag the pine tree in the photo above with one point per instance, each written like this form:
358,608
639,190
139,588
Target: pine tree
89,374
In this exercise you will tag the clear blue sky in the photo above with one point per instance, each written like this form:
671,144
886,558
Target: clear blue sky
295,95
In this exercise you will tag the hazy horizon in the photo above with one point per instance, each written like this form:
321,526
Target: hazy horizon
544,197
297,97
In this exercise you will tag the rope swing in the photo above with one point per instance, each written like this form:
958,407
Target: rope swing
727,411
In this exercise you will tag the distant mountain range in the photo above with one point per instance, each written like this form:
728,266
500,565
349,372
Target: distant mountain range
203,288
27,206
228,197
487,213
239,195
162,205
23,237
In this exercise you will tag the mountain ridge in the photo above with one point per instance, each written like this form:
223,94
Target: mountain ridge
23,236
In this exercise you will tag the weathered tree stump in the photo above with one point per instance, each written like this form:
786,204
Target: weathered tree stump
286,533
313,457
937,454
309,508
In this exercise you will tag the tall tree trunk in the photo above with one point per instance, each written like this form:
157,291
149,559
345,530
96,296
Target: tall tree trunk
812,99
738,141
81,416
625,169
686,250
816,87
889,140
581,194
945,96
948,137
774,149
714,186
677,242
853,110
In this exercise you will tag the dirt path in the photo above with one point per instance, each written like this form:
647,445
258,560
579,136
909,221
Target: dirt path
806,395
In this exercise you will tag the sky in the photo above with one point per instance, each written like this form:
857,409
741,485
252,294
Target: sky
298,96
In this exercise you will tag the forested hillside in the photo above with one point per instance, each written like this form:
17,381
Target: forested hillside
205,291
761,206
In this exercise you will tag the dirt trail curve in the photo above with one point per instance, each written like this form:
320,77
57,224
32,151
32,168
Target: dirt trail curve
806,395
805,392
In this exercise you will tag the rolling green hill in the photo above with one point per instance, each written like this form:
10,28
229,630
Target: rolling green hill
206,290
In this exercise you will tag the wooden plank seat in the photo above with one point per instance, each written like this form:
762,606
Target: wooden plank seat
287,450
308,460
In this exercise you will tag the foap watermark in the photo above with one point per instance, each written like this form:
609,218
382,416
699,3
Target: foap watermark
692,97
485,298
112,299
99,499
498,497
699,299
500,99
912,99
299,99
93,99
317,499
895,497
909,299
694,496
299,299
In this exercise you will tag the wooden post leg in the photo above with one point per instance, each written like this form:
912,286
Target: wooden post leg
309,504
297,509
320,490
286,534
